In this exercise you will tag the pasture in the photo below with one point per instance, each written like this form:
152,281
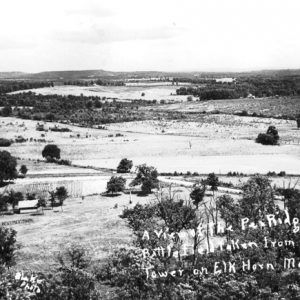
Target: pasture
215,143
270,106
151,92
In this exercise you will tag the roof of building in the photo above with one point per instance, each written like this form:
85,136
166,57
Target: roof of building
28,204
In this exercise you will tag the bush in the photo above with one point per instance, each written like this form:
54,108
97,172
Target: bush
244,113
65,162
4,142
58,129
266,139
281,173
23,170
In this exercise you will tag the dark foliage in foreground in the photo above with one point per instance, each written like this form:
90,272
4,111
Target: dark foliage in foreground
125,270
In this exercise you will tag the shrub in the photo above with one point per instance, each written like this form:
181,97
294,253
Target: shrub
244,113
265,139
5,142
65,162
281,173
58,129
23,170
30,196
20,139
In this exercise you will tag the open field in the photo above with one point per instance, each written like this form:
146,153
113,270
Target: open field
93,222
212,144
268,106
152,92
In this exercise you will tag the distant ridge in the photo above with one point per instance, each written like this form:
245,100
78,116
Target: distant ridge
8,75
99,74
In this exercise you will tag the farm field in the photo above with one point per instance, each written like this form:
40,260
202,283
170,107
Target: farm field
152,92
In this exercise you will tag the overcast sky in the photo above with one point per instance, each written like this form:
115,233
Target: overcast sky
128,35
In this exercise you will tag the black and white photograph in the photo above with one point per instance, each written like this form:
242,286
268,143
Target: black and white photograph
149,150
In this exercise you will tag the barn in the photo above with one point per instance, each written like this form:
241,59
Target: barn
28,206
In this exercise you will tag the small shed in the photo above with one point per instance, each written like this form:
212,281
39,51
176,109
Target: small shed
28,206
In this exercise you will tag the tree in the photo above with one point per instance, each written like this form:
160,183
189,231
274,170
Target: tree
229,211
30,196
8,165
52,198
124,166
51,152
197,194
292,197
6,111
3,202
258,198
13,198
213,181
42,203
89,104
5,142
147,177
273,132
269,138
61,194
23,170
8,247
115,184
98,104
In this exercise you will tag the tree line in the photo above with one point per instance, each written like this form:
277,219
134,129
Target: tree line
83,110
257,86
8,86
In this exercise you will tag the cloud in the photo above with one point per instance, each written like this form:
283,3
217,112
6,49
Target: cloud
98,35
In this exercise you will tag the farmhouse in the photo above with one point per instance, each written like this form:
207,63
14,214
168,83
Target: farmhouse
28,206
